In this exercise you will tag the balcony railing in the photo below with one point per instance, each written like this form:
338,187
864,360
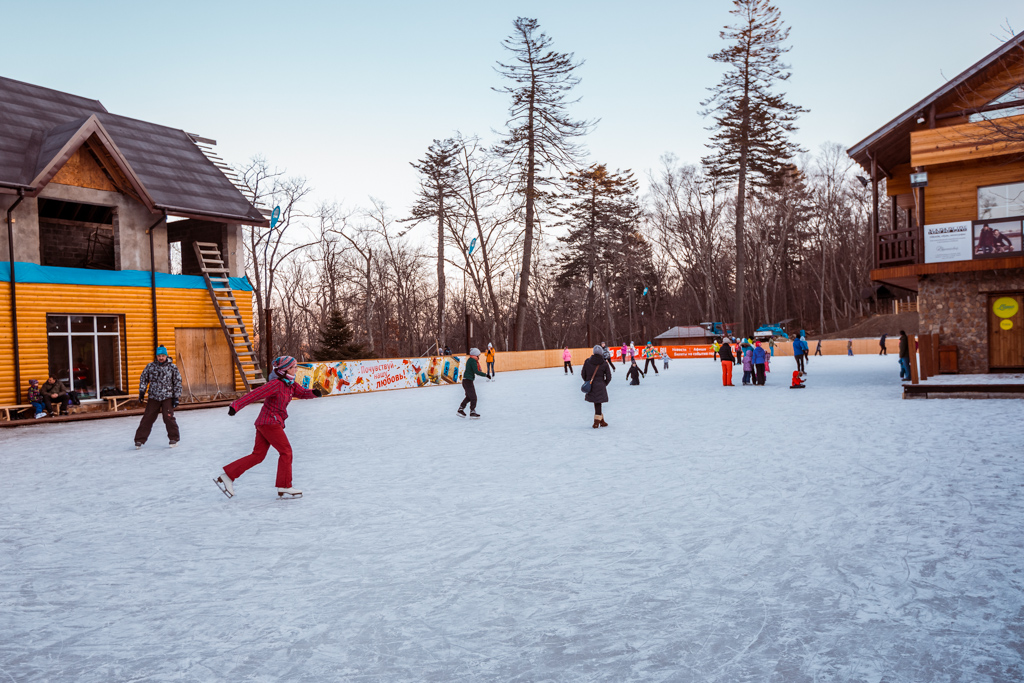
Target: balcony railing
898,247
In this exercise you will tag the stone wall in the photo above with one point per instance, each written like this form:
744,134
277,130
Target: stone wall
956,306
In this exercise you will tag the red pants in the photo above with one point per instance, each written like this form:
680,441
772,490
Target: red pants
267,436
726,373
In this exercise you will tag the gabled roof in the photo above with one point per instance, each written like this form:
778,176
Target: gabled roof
683,332
41,128
890,144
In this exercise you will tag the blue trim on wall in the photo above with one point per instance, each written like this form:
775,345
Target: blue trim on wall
52,275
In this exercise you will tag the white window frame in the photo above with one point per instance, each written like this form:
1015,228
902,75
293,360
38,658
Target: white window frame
996,216
95,334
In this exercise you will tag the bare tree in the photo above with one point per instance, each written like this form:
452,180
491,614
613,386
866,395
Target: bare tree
540,131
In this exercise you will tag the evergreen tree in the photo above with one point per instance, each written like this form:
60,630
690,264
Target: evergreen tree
540,132
752,122
601,210
336,341
438,178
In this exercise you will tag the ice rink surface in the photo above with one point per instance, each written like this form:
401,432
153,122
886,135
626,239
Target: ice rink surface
836,533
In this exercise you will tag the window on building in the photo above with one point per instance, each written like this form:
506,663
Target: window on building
1012,95
85,353
1001,201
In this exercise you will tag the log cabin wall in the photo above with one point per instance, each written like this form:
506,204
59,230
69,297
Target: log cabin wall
952,192
176,308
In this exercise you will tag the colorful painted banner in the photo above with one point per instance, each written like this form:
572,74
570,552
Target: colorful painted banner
357,376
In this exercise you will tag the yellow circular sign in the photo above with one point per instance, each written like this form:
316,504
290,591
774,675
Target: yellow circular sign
1006,324
1005,307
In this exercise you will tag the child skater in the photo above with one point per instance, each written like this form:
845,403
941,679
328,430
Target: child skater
269,428
471,372
798,382
567,361
634,373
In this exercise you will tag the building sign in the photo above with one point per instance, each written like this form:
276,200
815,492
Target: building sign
919,179
997,237
947,242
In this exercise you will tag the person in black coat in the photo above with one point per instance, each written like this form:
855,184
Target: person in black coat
634,374
595,370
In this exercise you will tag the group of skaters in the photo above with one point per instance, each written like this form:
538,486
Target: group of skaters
756,359
628,355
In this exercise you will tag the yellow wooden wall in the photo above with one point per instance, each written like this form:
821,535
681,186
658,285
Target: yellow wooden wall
175,308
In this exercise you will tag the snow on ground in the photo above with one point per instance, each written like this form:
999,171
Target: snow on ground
836,533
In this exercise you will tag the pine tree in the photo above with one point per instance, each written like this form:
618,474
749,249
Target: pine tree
336,341
752,122
438,177
600,209
540,132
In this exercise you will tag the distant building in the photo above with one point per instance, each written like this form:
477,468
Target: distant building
91,294
954,170
685,335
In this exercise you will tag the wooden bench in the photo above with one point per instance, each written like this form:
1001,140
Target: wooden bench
115,403
6,410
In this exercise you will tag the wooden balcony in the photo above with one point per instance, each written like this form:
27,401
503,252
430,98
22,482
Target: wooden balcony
898,247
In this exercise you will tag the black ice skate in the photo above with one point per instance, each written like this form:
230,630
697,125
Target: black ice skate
473,414
289,493
224,483
461,412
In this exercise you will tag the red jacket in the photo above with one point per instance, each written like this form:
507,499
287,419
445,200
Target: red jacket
276,396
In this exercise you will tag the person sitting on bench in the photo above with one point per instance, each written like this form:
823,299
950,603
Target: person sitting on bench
53,392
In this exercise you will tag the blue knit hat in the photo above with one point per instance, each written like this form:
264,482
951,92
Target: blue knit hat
161,350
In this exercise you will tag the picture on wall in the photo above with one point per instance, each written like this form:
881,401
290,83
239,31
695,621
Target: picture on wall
1000,237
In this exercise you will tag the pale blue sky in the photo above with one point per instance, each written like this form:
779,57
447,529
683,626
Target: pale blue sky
348,93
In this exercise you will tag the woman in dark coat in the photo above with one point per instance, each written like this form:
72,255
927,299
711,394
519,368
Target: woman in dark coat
595,370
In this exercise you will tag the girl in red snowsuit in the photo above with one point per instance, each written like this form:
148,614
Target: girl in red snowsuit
276,395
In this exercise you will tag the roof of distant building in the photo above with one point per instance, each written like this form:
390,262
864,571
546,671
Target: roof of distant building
40,129
684,332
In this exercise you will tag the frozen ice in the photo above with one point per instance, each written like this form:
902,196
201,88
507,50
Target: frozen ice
837,533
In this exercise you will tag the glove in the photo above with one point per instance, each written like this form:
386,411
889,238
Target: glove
142,397
231,411
174,402
318,393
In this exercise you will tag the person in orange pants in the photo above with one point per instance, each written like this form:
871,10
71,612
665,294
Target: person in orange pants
725,353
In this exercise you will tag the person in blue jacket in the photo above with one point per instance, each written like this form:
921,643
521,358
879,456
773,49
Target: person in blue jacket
759,360
798,353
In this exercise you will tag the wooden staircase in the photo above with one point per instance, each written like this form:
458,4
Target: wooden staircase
216,276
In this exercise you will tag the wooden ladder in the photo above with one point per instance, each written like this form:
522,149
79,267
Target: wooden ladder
217,283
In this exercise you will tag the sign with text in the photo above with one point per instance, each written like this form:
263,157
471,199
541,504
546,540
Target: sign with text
947,242
357,376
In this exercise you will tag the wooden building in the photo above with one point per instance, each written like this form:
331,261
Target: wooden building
953,166
92,204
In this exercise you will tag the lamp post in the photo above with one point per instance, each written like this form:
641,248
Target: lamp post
465,303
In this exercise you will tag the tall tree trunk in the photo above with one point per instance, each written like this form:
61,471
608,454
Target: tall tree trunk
741,197
524,280
441,332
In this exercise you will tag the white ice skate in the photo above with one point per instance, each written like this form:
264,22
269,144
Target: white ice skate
172,444
225,484
289,493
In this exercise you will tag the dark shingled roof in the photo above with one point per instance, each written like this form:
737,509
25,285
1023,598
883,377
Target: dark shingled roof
36,123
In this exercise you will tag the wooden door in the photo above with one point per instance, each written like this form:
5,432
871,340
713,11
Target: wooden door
1006,331
205,362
